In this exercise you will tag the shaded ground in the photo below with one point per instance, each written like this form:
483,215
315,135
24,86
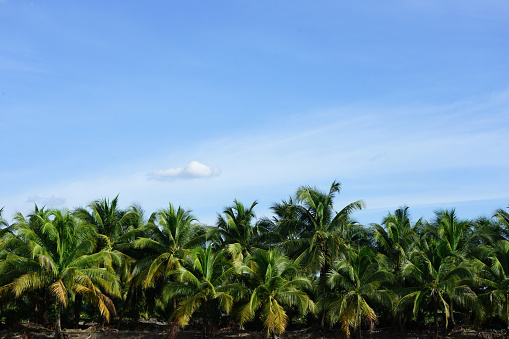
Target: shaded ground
23,331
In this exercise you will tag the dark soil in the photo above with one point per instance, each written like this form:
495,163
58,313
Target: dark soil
25,331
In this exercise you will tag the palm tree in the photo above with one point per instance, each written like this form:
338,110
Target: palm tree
457,235
285,222
168,235
324,231
116,231
322,226
435,277
176,231
112,223
3,222
396,236
199,282
500,226
495,281
274,282
5,229
238,232
55,254
459,239
359,278
503,217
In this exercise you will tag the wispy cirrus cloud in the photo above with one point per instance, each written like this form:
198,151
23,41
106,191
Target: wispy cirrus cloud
193,170
46,201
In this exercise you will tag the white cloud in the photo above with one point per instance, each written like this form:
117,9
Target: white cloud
46,201
193,170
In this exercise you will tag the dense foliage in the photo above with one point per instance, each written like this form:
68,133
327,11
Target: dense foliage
308,264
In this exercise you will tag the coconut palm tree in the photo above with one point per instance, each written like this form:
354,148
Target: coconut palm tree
53,253
500,225
324,231
5,229
274,283
457,235
174,231
3,222
494,279
458,238
285,223
200,281
396,236
502,216
435,277
237,231
114,226
323,226
116,231
357,282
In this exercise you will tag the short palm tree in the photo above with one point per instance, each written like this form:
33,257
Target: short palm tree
435,277
200,281
274,283
495,281
357,282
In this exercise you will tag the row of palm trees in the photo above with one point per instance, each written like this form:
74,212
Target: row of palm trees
307,264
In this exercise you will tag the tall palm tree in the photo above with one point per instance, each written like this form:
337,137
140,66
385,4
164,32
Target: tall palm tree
54,253
358,281
274,283
323,226
199,282
324,231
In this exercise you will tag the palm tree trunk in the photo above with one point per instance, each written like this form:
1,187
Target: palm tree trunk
359,322
322,286
77,309
435,317
45,308
452,313
205,320
507,310
58,324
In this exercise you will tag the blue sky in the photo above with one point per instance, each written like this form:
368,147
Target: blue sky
199,103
